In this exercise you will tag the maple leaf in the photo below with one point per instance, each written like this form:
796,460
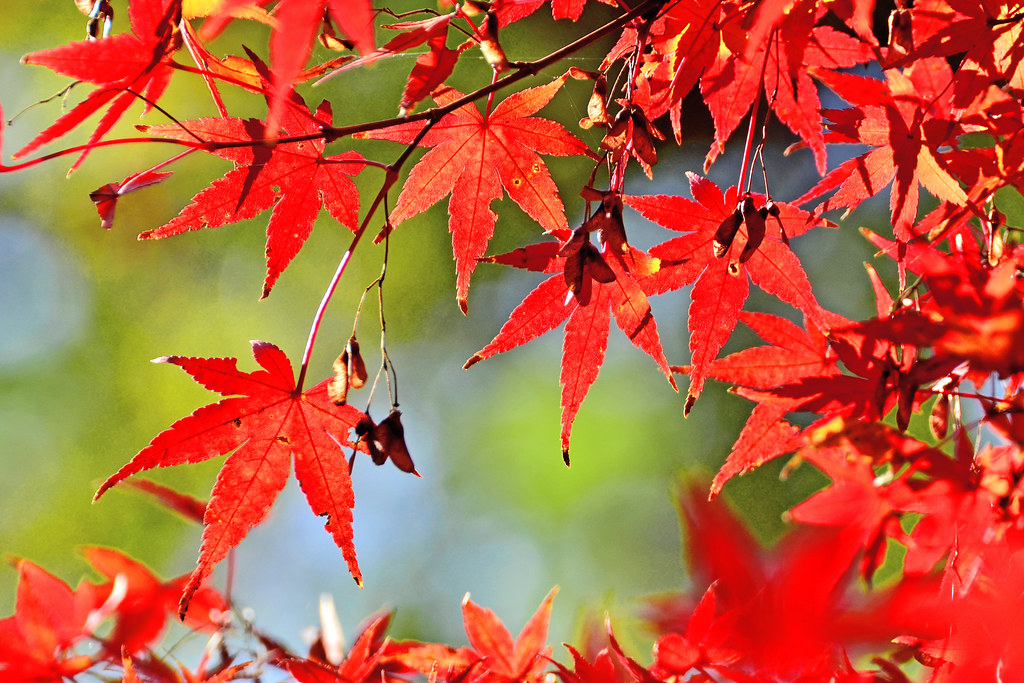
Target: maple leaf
586,332
473,158
789,614
266,425
144,602
291,44
503,659
363,662
924,481
431,68
510,11
986,34
905,119
792,354
126,67
49,619
974,311
713,44
228,673
778,57
294,178
719,270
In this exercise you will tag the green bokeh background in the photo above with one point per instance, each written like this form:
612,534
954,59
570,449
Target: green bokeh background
83,310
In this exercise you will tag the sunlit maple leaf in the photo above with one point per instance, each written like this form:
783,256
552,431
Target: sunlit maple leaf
294,178
473,158
267,425
974,311
296,25
986,34
906,119
720,282
778,58
513,10
431,68
917,481
586,332
713,44
126,67
793,354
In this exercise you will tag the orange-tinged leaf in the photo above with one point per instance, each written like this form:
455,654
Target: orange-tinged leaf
488,636
143,609
49,619
531,642
263,430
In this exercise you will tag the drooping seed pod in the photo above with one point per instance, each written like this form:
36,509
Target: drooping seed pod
755,222
389,435
726,232
349,373
494,55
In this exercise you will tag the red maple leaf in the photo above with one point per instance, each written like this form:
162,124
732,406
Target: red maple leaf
144,602
510,11
266,425
296,26
586,333
986,34
779,56
720,281
473,158
973,311
790,614
502,659
126,67
792,354
49,619
431,68
906,119
294,178
715,44
362,663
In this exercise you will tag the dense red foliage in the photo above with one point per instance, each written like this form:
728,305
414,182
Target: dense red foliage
939,110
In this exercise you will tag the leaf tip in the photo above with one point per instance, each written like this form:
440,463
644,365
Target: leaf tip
565,457
476,358
688,406
163,359
463,305
465,599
